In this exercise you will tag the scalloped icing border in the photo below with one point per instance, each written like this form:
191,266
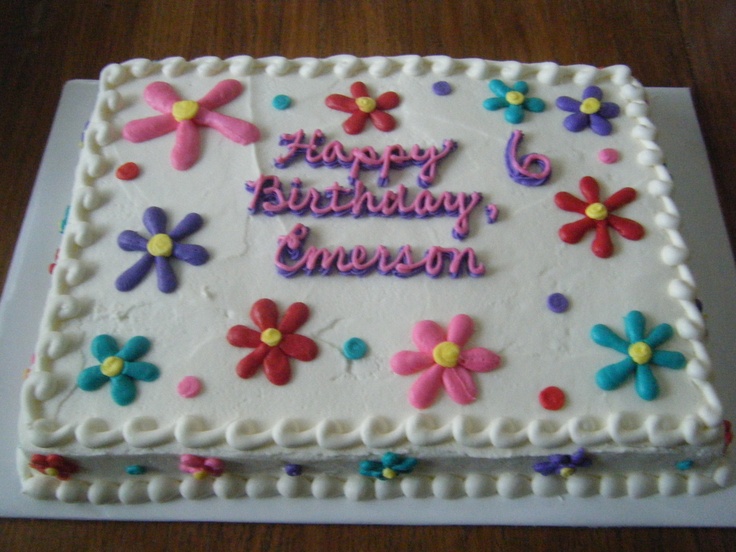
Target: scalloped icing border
419,429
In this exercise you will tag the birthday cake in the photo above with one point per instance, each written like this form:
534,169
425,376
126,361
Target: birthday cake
369,278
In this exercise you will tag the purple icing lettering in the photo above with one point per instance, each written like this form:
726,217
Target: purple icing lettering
293,258
520,170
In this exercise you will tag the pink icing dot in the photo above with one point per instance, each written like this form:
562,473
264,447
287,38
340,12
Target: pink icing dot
608,156
189,387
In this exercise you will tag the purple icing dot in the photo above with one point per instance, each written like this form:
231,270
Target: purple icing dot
442,88
557,302
293,469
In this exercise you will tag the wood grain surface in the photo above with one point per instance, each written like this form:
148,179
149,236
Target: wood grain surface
47,42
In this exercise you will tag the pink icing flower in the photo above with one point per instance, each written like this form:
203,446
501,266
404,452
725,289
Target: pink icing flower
362,107
184,116
201,467
444,362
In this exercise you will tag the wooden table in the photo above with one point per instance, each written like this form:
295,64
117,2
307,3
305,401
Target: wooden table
47,42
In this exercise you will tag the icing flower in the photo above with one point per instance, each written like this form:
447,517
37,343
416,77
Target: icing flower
201,467
563,464
362,107
598,216
590,112
444,362
184,116
390,466
513,100
640,355
118,366
160,249
53,465
274,342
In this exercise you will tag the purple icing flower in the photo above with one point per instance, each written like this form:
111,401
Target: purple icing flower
590,112
159,249
563,464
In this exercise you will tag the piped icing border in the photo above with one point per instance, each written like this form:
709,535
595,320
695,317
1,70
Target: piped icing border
418,429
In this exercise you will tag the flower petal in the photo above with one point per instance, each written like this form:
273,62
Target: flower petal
104,346
242,336
612,376
646,384
388,100
296,315
247,367
132,241
135,274
659,335
459,385
514,114
187,226
299,347
602,245
425,389
535,105
599,125
165,276
142,130
620,198
568,202
494,104
264,313
576,122
479,359
605,336
609,110
189,253
359,90
593,92
669,359
635,325
186,148
276,366
155,220
405,363
222,93
237,130
135,348
161,96
427,334
521,86
566,103
573,232
627,228
122,390
91,379
590,189
460,329
356,122
383,121
141,371
499,88
341,103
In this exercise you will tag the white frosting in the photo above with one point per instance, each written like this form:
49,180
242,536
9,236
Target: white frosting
336,412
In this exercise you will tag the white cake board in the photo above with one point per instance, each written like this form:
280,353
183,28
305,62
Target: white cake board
28,281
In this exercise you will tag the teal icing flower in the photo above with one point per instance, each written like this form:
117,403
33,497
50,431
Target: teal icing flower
640,354
119,367
513,100
389,467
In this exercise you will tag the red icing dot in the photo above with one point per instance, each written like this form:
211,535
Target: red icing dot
552,398
189,387
127,171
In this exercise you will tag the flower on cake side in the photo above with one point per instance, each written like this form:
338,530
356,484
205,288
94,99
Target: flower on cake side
200,467
444,362
598,216
640,355
160,249
590,112
184,116
563,464
53,465
363,107
274,342
513,100
118,366
390,466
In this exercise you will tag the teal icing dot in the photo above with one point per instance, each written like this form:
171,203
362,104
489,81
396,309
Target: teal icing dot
135,469
354,348
684,465
281,102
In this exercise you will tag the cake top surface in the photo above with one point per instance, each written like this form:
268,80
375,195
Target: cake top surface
542,300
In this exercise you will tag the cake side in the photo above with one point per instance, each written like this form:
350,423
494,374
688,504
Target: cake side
336,411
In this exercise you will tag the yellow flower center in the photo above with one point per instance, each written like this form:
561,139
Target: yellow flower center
271,337
184,110
567,472
596,211
388,473
112,366
640,352
366,104
590,106
199,475
160,245
446,354
51,471
514,97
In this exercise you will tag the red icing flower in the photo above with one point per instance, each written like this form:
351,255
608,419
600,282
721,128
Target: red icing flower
598,216
275,343
362,107
54,465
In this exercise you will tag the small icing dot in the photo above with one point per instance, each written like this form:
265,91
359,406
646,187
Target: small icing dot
127,171
608,156
684,465
442,88
189,387
135,470
557,303
552,398
281,102
354,348
293,469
